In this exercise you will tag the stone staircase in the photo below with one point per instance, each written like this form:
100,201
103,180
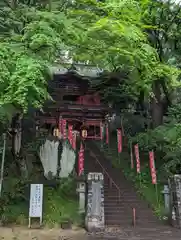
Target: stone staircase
120,196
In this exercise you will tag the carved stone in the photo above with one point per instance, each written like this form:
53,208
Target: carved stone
94,220
175,200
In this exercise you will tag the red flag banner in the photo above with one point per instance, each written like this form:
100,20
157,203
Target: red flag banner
119,140
107,134
81,160
70,129
152,167
137,155
64,124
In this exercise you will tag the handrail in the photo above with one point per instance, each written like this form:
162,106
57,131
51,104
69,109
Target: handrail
104,171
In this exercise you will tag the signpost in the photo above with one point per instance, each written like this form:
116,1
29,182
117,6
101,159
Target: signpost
36,202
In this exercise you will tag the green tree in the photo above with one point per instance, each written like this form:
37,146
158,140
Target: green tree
116,37
32,37
164,36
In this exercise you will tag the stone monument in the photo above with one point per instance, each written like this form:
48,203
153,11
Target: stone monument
175,200
94,220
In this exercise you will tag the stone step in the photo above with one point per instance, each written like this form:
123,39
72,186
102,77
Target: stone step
118,212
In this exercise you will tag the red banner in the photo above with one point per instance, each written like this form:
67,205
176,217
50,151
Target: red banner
64,129
81,160
107,134
74,141
70,135
136,150
119,140
152,167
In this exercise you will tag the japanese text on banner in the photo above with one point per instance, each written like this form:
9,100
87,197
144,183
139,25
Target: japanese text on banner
81,161
64,123
70,134
119,140
152,167
136,148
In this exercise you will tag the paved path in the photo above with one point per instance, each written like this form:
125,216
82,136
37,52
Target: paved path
157,233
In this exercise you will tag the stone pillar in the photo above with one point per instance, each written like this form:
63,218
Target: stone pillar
166,193
175,200
94,220
81,188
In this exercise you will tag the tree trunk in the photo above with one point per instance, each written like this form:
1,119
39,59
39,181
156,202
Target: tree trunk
157,106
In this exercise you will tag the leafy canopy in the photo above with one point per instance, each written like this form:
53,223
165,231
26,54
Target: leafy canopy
111,34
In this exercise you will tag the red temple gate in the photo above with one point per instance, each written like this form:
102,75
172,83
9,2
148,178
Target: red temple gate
76,102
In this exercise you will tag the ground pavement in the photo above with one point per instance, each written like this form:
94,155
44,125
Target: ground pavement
157,233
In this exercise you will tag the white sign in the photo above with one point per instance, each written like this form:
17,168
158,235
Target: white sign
36,201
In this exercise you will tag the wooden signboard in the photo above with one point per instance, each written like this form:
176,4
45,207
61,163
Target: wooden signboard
36,202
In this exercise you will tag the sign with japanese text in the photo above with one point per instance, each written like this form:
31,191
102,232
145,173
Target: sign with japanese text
137,155
81,161
36,201
119,140
64,128
152,167
70,133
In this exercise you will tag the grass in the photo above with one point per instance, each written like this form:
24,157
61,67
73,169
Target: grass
60,205
142,181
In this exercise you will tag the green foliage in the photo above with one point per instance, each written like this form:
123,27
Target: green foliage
60,204
165,141
116,37
128,37
31,40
